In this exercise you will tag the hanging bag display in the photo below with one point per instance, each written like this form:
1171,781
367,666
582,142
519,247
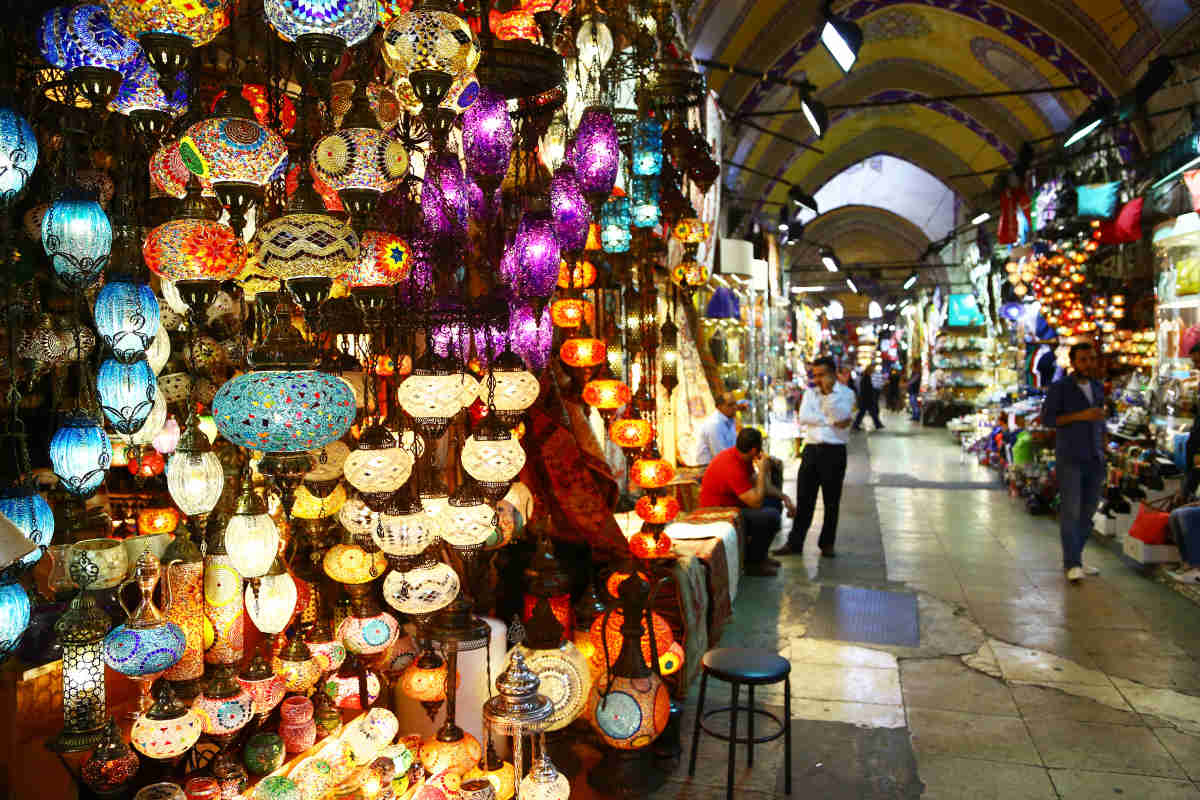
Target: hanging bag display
1097,200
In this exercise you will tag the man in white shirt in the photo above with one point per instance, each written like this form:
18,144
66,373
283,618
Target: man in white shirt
826,413
718,431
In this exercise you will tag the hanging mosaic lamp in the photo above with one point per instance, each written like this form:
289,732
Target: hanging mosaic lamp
167,31
606,393
468,519
272,603
18,154
652,471
645,206
26,508
112,764
323,31
77,236
296,666
647,147
194,245
305,245
378,464
14,615
544,781
570,312
266,689
96,56
631,434
583,352
594,41
570,210
126,393
141,98
494,457
168,729
352,565
251,538
424,680
368,635
431,395
430,38
532,268
195,477
327,652
595,152
344,688
80,454
487,136
616,217
224,707
384,259
530,334
444,196
81,631
405,530
284,411
510,387
126,314
581,277
421,590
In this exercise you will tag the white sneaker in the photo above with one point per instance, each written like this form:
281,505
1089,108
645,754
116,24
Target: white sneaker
1186,575
1088,569
1074,574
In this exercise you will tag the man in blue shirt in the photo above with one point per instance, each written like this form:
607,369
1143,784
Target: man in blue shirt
718,432
1074,405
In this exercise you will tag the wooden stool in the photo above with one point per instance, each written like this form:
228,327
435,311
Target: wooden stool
737,666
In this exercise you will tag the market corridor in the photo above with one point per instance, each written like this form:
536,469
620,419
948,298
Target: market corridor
1020,686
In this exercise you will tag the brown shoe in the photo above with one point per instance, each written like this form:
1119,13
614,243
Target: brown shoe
761,570
785,551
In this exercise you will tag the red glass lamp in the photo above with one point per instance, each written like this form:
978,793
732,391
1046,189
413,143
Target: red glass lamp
157,520
570,312
657,510
650,544
584,275
606,394
583,352
631,433
652,471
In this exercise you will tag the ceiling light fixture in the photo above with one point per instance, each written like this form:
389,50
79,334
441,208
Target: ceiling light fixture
873,310
1088,121
816,113
803,199
841,37
830,259
851,284
911,281
805,289
981,217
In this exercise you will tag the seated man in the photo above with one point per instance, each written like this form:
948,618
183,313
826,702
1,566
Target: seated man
730,481
718,431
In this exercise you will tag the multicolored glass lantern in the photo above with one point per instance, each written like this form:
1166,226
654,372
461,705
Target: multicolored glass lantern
570,312
456,756
223,605
232,150
369,635
427,588
493,457
366,735
77,236
198,24
304,245
691,230
595,152
644,194
647,147
378,464
430,40
487,137
657,509
224,707
349,20
344,690
544,781
384,259
83,36
309,505
148,643
616,218
606,394
444,196
80,454
631,433
140,92
111,766
148,464
404,534
26,508
360,158
185,580
266,689
264,752
297,667
284,411
582,277
652,471
582,352
299,731
424,680
167,730
184,249
350,564
126,393
126,315
18,153
259,98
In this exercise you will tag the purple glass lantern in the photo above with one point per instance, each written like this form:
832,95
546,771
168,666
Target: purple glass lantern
595,152
444,196
487,137
416,288
569,209
529,337
462,341
532,262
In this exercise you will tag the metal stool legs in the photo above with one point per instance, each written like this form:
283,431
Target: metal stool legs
696,730
733,714
787,735
750,739
750,722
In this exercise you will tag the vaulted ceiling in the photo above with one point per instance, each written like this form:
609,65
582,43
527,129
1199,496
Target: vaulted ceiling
917,49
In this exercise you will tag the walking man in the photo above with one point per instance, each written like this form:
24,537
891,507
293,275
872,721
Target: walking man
1074,405
868,399
825,413
718,431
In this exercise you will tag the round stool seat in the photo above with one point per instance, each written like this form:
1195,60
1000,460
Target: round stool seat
746,665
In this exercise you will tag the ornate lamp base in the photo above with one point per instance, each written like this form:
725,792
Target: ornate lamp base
76,741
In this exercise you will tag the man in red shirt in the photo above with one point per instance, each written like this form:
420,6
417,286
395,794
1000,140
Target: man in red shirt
730,482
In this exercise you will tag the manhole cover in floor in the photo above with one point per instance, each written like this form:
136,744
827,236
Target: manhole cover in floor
851,614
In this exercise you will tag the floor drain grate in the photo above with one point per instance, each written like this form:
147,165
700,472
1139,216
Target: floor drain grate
851,614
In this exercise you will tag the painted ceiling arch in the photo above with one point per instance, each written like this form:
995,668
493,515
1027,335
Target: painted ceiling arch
862,234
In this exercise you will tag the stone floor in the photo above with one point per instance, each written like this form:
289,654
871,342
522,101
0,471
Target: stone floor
1021,686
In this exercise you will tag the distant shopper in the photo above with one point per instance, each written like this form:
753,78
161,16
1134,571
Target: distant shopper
731,482
1075,406
914,392
893,389
868,398
718,431
825,414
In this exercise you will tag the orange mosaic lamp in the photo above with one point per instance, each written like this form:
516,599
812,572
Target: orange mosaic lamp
652,471
606,394
650,544
617,578
691,230
157,520
570,312
659,510
583,277
631,433
593,238
663,638
583,352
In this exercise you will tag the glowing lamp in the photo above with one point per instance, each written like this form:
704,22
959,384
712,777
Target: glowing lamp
646,545
663,637
647,147
297,667
492,455
350,21
378,464
652,473
360,157
384,259
272,604
18,153
424,680
344,690
195,478
582,277
14,615
423,590
80,453
515,390
350,564
187,248
29,511
266,689
430,40
571,213
570,312
657,510
631,433
303,245
77,236
284,411
595,152
582,352
167,730
606,394
645,206
232,150
456,756
251,537
370,733
616,216
369,635
544,782
691,230
224,707
487,137
157,520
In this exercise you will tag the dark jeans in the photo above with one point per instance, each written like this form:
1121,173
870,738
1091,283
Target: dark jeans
823,468
761,525
873,410
1080,485
914,404
1185,529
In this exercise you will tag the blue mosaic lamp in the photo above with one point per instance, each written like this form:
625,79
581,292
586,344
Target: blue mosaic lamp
615,219
350,20
126,314
147,643
647,147
18,154
77,236
96,56
646,211
14,616
140,91
28,510
80,453
284,411
126,393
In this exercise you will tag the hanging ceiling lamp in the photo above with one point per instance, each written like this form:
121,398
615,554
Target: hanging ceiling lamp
487,136
195,477
272,603
127,393
430,38
594,41
194,245
616,218
423,589
493,457
468,521
296,666
582,277
384,259
77,236
266,689
96,56
652,471
606,394
18,154
168,31
530,266
444,196
509,387
571,312
570,211
322,32
431,395
595,152
251,538
28,510
405,529
168,729
284,411
378,464
126,315
631,434
583,352
644,194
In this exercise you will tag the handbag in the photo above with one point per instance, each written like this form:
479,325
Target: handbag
1097,200
1150,524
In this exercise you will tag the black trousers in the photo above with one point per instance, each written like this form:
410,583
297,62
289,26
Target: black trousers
873,410
761,525
823,468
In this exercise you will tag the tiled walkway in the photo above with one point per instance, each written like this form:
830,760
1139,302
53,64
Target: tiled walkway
1022,686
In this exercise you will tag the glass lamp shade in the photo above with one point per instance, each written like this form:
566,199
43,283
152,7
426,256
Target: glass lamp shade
487,136
167,438
350,20
384,259
310,506
14,615
257,96
223,609
424,680
350,564
154,422
616,216
583,276
77,236
516,390
139,91
299,675
631,434
644,193
647,147
343,690
126,315
544,782
493,460
570,312
530,337
427,394
194,248
503,779
272,606
284,411
18,153
606,394
307,245
199,24
29,511
444,196
168,173
652,473
263,753
232,149
570,210
265,693
689,274
195,481
314,777
166,739
369,635
84,36
368,734
224,715
691,230
632,713
582,352
565,678
467,526
140,651
253,542
126,393
80,454
595,151
663,639
594,42
533,270
405,534
462,95
515,24
360,158
430,40
149,464
328,655
328,461
422,590
382,469
357,518
657,510
456,756
646,546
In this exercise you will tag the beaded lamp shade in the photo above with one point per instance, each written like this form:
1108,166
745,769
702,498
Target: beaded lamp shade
307,245
652,472
456,756
199,23
467,521
167,730
407,534
422,590
631,433
430,40
516,389
77,236
432,395
606,394
487,136
570,312
350,564
297,667
349,20
83,36
583,352
378,464
168,172
384,259
532,268
595,152
224,707
284,411
183,249
80,453
360,158
369,635
266,689
18,153
29,511
232,149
